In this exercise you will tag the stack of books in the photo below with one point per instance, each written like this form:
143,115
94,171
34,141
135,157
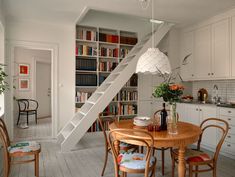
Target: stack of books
127,109
85,64
126,95
124,52
82,96
128,40
86,79
86,50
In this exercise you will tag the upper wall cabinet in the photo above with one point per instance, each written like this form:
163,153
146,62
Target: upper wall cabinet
233,47
202,52
220,49
210,48
187,71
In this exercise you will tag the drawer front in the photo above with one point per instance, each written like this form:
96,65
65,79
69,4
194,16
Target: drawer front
229,148
227,112
230,138
230,120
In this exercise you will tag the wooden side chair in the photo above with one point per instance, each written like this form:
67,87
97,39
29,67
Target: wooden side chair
162,149
123,146
27,107
133,162
196,157
16,150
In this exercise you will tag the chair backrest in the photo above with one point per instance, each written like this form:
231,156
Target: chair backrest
3,125
101,122
25,104
131,136
214,123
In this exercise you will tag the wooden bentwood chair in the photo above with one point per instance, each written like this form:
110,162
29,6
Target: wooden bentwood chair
196,157
133,162
20,149
27,107
162,149
123,146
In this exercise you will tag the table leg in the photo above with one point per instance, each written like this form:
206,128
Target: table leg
117,149
181,166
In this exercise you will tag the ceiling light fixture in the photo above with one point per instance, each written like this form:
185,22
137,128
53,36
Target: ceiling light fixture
153,60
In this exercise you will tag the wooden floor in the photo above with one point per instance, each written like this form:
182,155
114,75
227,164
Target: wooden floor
87,161
41,130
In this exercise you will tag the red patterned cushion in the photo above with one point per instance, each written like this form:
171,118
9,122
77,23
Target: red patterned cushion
192,155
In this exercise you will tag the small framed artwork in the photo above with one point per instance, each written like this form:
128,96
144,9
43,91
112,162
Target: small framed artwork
24,84
23,69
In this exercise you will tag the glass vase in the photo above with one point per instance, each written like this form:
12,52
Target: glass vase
172,120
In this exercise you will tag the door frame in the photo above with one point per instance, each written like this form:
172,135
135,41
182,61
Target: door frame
36,61
11,45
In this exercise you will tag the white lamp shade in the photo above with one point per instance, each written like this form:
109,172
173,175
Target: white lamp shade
153,61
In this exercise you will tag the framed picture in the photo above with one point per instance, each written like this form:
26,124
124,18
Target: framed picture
23,69
23,84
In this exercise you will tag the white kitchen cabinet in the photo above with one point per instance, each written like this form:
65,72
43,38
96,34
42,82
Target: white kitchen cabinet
187,41
209,137
202,52
233,47
220,49
180,109
192,114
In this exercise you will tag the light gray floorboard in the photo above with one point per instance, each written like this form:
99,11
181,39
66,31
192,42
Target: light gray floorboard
87,161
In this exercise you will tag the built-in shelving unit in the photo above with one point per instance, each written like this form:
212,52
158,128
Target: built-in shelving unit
98,52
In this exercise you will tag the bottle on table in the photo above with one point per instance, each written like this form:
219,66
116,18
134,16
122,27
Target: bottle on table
163,118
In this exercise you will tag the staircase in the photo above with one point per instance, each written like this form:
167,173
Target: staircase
74,130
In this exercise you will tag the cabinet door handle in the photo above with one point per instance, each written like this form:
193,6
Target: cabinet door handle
229,136
229,111
200,109
229,128
209,74
212,73
229,118
192,75
229,145
196,109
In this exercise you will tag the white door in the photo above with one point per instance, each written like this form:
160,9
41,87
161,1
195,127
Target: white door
187,71
220,49
43,88
202,52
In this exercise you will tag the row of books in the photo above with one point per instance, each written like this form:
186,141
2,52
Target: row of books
107,65
84,64
86,79
86,34
128,40
127,109
108,38
133,81
126,95
124,52
101,79
108,52
82,96
86,50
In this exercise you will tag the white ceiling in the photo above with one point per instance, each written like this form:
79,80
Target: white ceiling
67,11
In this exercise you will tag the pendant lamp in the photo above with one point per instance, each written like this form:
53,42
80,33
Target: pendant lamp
153,60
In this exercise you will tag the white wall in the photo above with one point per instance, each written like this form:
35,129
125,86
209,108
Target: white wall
64,37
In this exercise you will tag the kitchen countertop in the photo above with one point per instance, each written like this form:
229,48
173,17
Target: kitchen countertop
226,105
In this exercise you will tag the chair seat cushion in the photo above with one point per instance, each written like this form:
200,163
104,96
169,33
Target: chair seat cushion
192,155
24,146
134,160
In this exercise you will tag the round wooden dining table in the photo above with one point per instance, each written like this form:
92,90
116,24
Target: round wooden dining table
187,134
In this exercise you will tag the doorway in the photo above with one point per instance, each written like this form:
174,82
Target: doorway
38,80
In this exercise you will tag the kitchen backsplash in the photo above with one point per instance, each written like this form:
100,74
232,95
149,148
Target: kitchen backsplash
226,89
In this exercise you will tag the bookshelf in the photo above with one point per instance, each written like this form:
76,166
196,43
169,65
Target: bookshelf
98,52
